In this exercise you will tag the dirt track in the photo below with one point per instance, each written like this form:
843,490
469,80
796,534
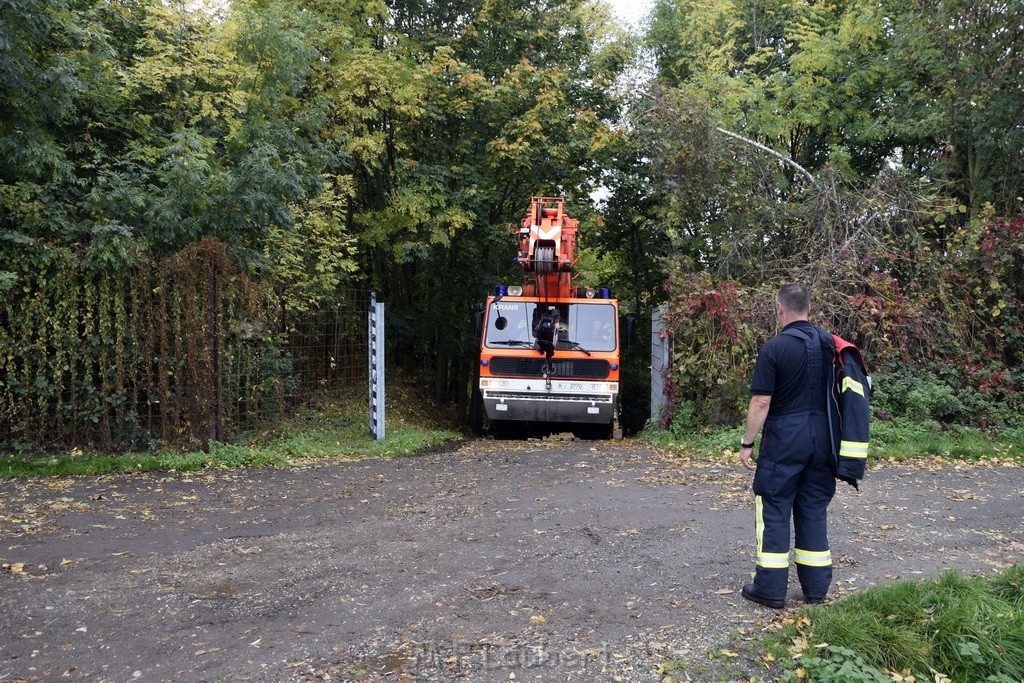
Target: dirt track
547,561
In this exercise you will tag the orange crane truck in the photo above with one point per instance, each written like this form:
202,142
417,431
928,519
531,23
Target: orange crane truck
549,351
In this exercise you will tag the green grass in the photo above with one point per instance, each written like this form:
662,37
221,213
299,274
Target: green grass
890,439
903,439
83,463
954,628
335,429
710,442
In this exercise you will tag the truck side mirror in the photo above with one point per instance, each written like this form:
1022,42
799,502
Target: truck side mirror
630,328
478,319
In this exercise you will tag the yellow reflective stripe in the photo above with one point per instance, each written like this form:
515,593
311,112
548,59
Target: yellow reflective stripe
773,560
812,558
766,560
853,385
853,449
759,523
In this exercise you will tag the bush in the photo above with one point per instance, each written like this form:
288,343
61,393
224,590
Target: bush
939,324
684,419
716,330
934,401
925,396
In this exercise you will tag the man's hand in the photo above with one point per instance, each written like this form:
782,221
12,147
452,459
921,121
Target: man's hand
745,455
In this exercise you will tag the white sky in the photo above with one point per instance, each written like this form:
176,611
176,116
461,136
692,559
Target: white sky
630,11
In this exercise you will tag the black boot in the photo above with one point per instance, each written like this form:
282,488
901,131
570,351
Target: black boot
749,594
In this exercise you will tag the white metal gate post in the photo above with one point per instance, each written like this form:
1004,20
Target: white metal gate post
661,354
375,330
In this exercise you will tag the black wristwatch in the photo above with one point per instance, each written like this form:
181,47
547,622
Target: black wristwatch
744,444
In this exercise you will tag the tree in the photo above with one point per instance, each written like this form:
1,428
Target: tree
519,104
956,95
58,95
907,115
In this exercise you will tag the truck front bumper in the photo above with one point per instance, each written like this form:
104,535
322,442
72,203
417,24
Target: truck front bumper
555,400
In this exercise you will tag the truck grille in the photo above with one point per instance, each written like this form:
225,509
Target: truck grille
581,368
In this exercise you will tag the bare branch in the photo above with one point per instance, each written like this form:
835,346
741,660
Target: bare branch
771,151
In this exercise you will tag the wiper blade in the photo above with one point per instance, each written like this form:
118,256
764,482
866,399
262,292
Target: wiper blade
575,345
511,342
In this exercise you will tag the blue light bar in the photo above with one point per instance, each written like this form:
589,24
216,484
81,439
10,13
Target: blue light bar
500,290
604,293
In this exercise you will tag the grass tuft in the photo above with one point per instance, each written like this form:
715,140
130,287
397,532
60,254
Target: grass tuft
955,628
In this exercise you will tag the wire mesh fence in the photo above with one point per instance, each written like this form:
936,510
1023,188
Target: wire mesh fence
179,351
310,356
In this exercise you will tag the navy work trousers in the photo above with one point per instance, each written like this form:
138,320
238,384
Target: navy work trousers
793,479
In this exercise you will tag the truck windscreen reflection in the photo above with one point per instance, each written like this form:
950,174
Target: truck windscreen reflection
590,326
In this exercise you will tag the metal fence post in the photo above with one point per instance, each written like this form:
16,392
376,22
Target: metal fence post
375,332
661,355
213,409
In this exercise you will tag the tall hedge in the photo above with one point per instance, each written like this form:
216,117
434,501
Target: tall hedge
178,350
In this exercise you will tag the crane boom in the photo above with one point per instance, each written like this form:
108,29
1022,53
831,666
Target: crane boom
547,246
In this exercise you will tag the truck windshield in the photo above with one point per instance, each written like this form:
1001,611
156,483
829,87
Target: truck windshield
591,326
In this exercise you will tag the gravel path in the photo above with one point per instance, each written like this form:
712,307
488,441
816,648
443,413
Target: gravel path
490,561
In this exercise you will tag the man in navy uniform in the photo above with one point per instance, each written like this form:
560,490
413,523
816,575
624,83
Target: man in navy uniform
794,476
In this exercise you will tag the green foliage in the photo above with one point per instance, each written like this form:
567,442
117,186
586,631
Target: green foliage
91,464
498,101
909,233
684,419
336,427
982,394
859,84
916,397
835,664
316,256
329,143
937,402
956,628
228,455
953,98
715,337
324,142
929,321
703,442
163,123
1009,586
902,439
